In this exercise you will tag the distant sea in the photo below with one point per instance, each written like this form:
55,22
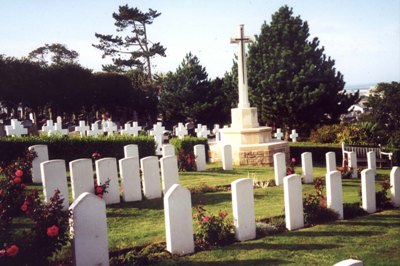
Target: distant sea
363,88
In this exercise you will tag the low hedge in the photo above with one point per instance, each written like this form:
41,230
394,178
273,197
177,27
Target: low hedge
187,144
318,151
71,148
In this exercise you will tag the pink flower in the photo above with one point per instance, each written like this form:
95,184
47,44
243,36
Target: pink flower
205,219
17,180
289,172
24,207
99,190
12,250
19,173
293,160
52,231
2,252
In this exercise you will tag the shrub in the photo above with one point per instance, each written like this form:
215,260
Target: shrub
187,143
186,161
213,230
352,210
381,197
325,134
290,170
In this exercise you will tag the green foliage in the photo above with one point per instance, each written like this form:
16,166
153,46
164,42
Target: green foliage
187,143
382,199
138,46
213,230
325,134
186,161
74,147
318,151
292,82
58,54
147,255
384,101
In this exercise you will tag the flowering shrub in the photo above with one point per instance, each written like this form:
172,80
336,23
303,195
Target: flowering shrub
20,168
101,189
381,197
290,170
186,161
96,155
213,230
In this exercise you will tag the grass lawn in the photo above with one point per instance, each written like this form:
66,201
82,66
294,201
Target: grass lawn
374,239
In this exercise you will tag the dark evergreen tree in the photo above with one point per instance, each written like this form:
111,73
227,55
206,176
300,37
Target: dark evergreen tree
55,53
292,82
134,50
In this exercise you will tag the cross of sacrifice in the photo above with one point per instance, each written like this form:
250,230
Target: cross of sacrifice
181,131
157,132
242,70
131,130
95,130
294,135
217,133
110,128
49,126
278,134
82,128
198,130
16,129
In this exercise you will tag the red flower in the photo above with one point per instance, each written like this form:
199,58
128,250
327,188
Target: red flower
289,172
52,231
293,160
205,219
17,180
99,190
19,173
12,250
23,185
24,207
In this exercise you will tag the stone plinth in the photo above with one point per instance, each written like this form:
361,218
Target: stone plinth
246,135
244,118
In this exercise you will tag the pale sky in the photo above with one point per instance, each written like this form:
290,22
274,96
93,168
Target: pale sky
362,36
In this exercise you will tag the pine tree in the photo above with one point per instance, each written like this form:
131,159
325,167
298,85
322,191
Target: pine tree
292,82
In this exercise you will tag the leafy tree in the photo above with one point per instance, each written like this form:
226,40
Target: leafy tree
385,112
292,82
55,53
188,93
118,47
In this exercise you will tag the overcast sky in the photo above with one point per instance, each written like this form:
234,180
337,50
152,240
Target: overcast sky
363,37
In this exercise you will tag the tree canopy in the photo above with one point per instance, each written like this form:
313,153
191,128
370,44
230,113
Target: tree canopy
134,50
54,53
291,81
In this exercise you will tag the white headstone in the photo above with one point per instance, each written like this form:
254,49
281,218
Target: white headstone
198,130
81,172
181,131
353,163
330,161
217,132
334,195
178,220
307,167
110,128
131,150
42,156
294,135
243,209
16,129
54,176
130,179
294,214
49,126
168,150
278,134
200,153
368,190
279,167
157,132
151,177
95,130
106,169
169,172
227,161
131,130
82,128
89,231
349,262
371,160
395,185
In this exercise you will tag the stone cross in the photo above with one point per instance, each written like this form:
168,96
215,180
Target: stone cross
242,70
217,133
49,126
157,132
131,130
110,128
294,135
278,134
198,130
203,132
82,128
16,129
58,128
181,131
95,131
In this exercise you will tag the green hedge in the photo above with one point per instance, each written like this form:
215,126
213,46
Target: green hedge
187,144
318,151
74,147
